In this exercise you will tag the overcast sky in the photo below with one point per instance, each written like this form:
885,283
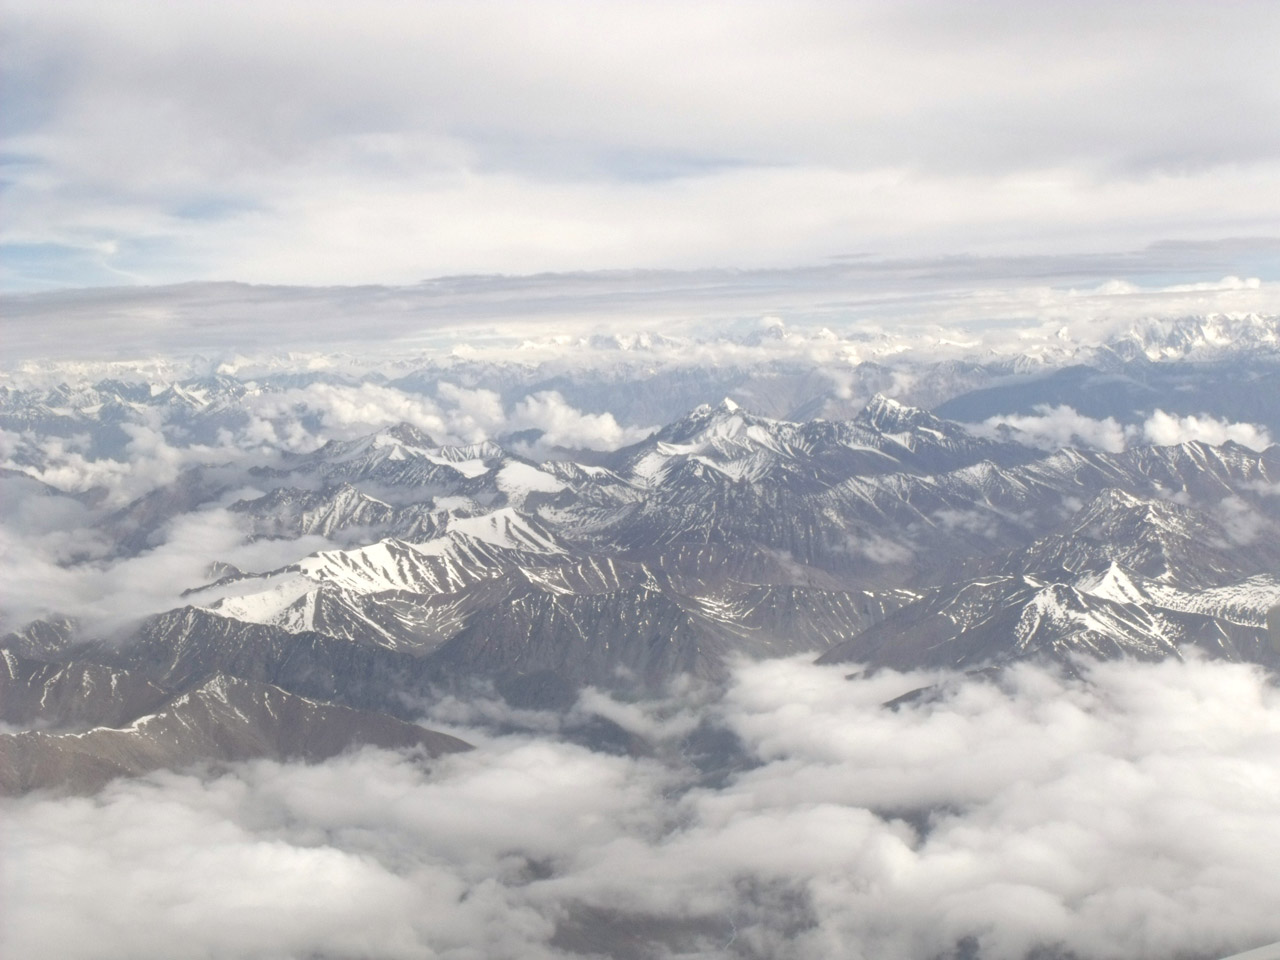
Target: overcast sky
386,142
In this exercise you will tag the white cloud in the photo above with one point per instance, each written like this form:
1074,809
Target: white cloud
344,411
1166,429
1129,816
63,564
563,425
895,312
403,141
982,523
457,415
58,557
149,460
1242,524
1055,427
880,549
474,414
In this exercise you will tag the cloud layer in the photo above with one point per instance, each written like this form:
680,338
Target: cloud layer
63,537
390,142
1054,427
1129,816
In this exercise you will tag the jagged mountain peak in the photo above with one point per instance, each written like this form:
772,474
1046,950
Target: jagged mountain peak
402,436
724,431
1148,540
1113,498
1115,506
404,455
887,415
1158,339
1112,582
707,417
406,433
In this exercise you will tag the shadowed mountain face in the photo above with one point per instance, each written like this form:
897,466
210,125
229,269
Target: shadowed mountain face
223,719
1157,539
1241,389
894,538
1106,615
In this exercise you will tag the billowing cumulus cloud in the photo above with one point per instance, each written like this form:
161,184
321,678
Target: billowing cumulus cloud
1166,429
562,425
1054,427
148,459
57,560
344,412
474,414
1126,815
303,418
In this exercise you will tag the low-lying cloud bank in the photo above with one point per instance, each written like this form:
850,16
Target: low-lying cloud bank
56,549
70,571
299,420
1128,816
1054,427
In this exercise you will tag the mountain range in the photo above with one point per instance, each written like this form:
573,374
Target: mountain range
894,538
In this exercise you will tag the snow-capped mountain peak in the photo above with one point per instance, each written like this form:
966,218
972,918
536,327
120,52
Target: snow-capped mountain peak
1200,337
1114,583
886,415
408,435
